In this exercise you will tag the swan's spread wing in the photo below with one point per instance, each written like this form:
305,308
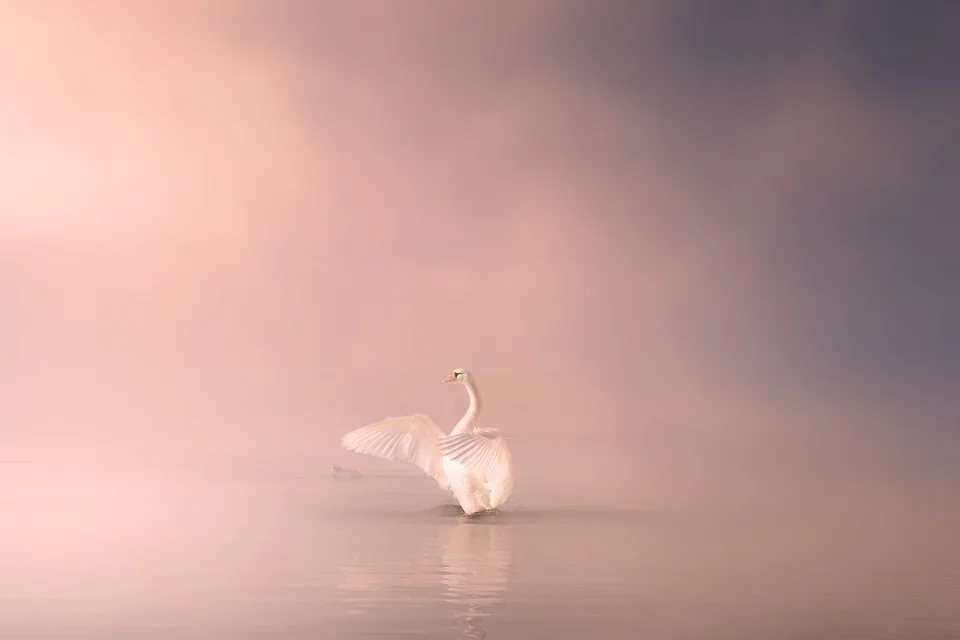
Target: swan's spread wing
482,451
410,438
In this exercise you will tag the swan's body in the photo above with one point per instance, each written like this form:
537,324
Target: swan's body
472,462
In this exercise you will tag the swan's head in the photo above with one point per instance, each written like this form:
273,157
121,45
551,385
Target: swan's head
458,375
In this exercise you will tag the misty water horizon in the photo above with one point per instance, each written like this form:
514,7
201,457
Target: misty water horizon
256,549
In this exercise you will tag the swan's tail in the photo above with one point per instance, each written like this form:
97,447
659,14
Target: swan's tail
480,490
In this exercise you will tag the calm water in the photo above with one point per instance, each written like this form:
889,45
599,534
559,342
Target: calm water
254,553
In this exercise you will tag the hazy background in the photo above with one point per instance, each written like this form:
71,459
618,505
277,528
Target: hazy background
701,251
725,232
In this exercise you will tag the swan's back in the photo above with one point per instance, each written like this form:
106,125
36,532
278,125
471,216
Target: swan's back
482,453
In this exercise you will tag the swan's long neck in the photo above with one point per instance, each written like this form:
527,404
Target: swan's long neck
472,411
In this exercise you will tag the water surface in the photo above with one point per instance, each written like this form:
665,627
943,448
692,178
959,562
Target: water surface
246,552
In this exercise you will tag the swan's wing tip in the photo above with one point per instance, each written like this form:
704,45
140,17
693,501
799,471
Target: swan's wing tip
408,438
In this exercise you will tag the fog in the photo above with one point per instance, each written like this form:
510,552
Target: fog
697,258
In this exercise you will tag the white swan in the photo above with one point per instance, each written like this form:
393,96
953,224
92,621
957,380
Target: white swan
472,462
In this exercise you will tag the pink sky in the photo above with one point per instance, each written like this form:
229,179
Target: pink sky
219,226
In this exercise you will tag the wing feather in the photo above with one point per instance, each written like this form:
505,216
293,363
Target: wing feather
483,452
409,438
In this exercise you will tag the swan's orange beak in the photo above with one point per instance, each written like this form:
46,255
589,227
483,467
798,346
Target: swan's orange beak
450,378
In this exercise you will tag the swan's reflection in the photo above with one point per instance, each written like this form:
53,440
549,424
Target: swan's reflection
476,564
464,564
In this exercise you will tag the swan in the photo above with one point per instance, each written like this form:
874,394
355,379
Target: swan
471,462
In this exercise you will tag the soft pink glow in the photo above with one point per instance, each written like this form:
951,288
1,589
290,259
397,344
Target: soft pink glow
224,242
